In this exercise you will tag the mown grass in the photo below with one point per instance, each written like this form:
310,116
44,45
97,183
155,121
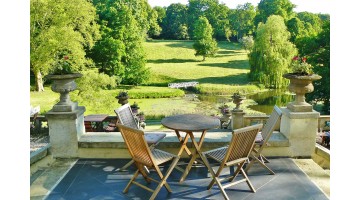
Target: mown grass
170,61
174,61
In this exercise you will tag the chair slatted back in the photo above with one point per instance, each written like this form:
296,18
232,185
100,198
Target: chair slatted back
242,142
126,117
270,124
137,145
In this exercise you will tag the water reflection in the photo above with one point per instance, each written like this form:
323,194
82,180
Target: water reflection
265,101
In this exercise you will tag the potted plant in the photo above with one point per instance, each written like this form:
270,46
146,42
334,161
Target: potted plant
63,75
237,98
134,108
301,78
224,109
141,116
123,97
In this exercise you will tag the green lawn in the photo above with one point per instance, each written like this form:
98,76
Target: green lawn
171,61
175,61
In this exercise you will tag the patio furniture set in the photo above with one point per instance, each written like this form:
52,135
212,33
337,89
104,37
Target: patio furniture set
245,148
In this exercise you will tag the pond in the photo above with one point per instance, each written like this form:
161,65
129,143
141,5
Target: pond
262,102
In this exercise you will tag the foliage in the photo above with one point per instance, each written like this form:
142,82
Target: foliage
312,22
272,53
59,28
154,27
247,42
92,82
266,8
300,66
63,66
154,92
211,89
296,28
224,108
215,13
204,44
135,105
320,58
242,20
120,51
175,24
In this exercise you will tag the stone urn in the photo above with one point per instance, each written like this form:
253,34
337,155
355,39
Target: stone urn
300,85
123,98
237,99
64,84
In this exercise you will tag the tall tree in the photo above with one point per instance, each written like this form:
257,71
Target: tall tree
205,45
154,27
272,53
161,14
284,8
60,27
216,14
296,28
242,20
120,50
175,24
319,57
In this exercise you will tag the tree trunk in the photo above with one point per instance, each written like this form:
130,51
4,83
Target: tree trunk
203,58
39,85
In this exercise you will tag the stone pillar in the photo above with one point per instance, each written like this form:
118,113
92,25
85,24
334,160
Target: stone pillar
65,128
237,119
301,129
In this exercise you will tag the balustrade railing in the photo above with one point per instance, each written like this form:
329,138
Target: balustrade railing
39,125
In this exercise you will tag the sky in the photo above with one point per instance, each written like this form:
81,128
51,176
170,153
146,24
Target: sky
314,6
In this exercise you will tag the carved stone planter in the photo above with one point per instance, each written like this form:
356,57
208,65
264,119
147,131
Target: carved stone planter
64,84
300,85
237,101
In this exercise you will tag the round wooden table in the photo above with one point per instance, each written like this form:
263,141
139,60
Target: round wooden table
189,123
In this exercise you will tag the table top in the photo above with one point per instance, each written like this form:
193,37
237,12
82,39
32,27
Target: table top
190,122
95,118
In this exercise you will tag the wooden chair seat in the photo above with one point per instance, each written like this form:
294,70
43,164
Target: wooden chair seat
262,140
126,117
235,154
143,156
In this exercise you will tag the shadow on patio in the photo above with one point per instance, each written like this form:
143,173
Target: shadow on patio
80,179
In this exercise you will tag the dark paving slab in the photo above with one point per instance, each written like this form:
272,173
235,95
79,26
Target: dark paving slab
101,179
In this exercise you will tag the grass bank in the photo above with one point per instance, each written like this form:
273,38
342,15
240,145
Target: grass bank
170,61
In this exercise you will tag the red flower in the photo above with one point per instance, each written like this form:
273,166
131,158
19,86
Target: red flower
66,57
304,59
296,58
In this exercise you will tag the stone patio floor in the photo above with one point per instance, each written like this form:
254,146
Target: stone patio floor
72,179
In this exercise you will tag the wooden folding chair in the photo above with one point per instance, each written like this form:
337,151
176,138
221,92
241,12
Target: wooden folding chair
263,138
143,156
126,117
236,153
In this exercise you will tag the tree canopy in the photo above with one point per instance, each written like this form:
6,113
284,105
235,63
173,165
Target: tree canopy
119,52
58,28
272,53
204,44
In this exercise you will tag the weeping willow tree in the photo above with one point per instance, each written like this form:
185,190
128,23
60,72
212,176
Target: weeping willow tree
272,53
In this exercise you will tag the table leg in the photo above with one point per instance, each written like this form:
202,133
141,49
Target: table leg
196,152
183,142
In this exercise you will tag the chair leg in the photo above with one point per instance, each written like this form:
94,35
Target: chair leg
238,170
255,158
131,181
163,179
247,180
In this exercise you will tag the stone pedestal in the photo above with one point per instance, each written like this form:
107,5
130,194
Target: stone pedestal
65,128
237,119
301,129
